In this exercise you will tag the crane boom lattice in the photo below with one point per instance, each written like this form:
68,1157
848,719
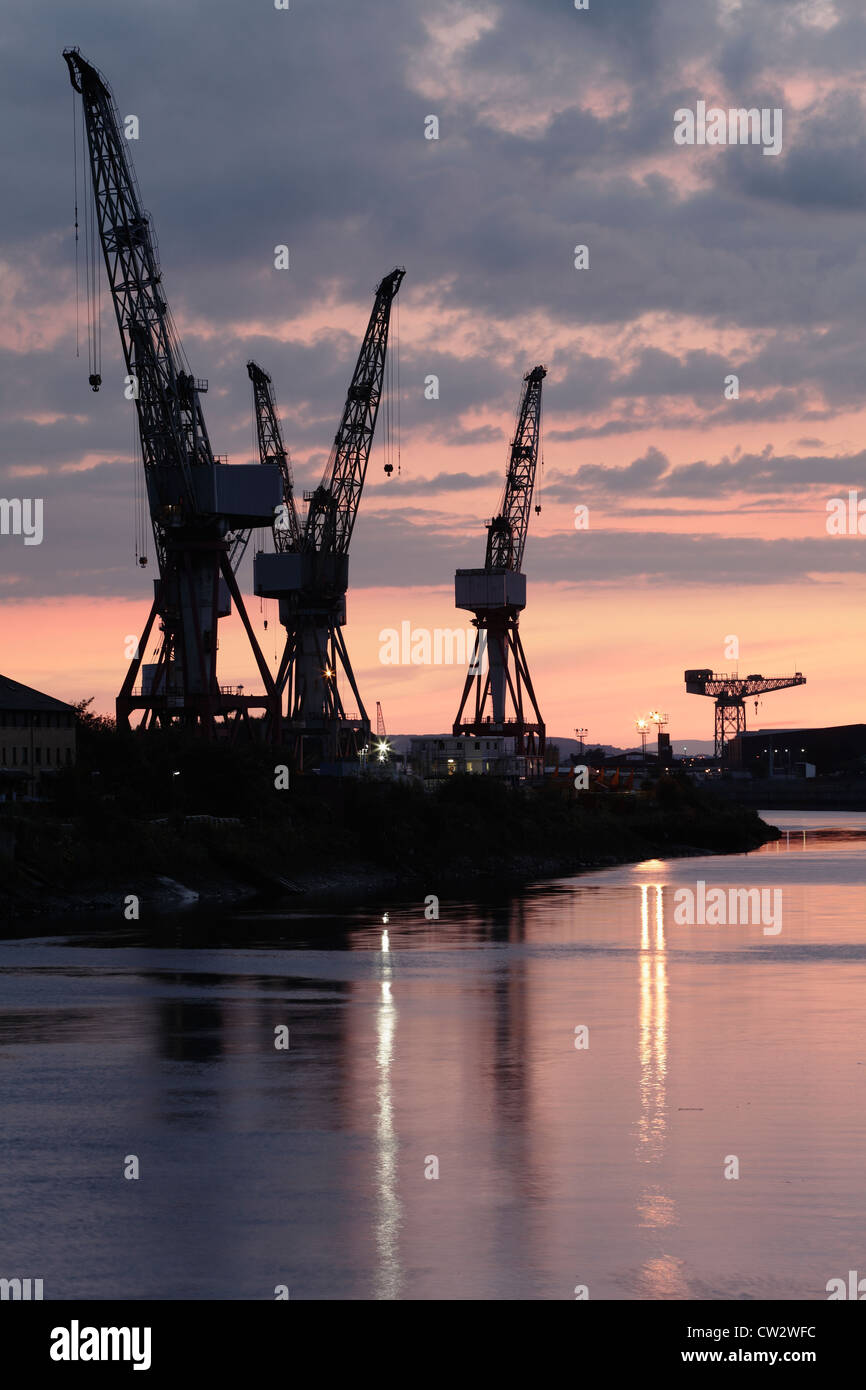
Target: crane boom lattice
730,693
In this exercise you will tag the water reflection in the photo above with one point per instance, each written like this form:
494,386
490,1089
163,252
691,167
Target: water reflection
660,1275
388,1277
653,1025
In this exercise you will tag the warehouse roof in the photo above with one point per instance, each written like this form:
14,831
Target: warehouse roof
13,695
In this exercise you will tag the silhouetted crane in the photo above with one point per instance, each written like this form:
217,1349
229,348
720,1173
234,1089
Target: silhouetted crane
309,573
496,595
201,510
730,694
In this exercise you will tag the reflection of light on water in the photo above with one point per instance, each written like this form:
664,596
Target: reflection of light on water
386,944
652,1043
388,1274
655,1208
661,1276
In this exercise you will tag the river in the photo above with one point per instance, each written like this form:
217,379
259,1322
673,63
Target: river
529,1096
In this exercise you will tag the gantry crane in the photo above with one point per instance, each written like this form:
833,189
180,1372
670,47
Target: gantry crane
497,593
201,510
309,570
730,694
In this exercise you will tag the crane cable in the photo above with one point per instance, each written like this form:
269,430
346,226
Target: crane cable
397,356
75,188
92,281
541,455
390,403
386,421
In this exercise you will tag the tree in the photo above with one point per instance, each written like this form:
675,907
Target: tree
88,721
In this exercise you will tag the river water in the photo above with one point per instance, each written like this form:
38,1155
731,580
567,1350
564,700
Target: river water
420,1046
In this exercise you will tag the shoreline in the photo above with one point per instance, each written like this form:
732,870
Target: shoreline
121,847
162,896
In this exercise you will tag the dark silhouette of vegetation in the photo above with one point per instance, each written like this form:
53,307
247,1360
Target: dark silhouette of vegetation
135,808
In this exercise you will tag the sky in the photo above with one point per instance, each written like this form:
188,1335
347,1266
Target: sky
707,514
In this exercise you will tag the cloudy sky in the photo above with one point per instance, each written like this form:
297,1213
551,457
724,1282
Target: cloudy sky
707,515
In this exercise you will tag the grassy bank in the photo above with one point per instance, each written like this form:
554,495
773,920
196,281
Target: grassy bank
135,813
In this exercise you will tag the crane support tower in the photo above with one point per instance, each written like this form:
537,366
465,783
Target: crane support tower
201,510
498,688
308,572
730,694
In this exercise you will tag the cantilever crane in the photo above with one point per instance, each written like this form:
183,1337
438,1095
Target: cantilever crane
201,510
497,593
730,694
272,450
309,573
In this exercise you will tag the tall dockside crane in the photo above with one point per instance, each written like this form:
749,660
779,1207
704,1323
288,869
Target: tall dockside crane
496,594
730,694
201,510
272,450
309,571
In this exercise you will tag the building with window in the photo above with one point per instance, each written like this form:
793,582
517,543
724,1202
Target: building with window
37,735
440,757
830,751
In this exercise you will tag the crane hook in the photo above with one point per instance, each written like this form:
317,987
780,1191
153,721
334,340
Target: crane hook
95,381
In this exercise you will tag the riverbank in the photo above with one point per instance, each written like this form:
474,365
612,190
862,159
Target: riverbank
349,840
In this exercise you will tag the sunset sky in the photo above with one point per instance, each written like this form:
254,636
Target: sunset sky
306,127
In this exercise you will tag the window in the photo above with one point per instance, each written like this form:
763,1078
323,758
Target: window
57,756
24,755
38,755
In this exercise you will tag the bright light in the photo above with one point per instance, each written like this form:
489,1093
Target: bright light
386,944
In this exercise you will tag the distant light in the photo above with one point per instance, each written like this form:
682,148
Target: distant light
385,917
